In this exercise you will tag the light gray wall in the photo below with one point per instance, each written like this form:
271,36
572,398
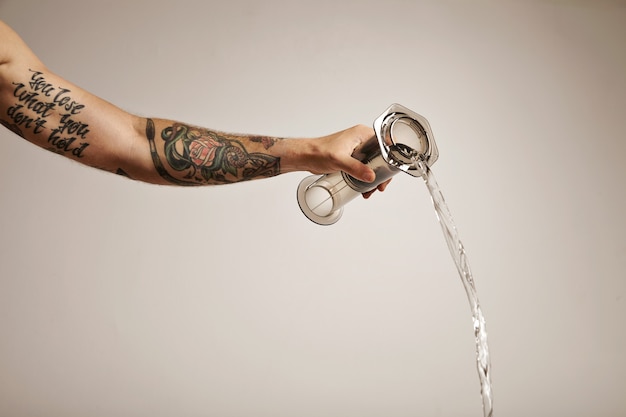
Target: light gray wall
125,299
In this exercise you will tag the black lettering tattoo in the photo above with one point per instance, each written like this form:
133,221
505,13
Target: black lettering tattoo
38,83
65,102
36,104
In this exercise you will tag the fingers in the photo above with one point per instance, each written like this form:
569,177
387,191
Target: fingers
384,185
334,153
381,187
359,170
353,138
368,194
354,167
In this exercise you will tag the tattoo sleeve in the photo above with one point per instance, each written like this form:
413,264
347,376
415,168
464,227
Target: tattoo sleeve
197,156
71,123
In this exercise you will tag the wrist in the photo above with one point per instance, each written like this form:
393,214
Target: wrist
298,154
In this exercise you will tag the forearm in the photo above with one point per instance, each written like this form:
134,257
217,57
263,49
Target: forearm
58,116
183,154
187,155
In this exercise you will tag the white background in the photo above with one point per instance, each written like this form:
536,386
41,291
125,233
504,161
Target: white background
119,298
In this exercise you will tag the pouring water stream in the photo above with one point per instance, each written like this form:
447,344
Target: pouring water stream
483,363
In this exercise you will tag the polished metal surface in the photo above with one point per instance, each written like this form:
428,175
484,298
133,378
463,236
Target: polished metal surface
404,135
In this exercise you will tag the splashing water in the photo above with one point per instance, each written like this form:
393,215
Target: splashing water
460,259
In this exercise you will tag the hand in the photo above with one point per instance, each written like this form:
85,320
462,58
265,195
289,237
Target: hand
333,153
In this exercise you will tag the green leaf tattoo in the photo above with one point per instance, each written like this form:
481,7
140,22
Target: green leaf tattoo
207,157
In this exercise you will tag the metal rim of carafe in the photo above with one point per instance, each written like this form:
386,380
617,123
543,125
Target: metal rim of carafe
402,155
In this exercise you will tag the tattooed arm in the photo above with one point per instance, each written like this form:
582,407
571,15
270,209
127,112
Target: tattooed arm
59,116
